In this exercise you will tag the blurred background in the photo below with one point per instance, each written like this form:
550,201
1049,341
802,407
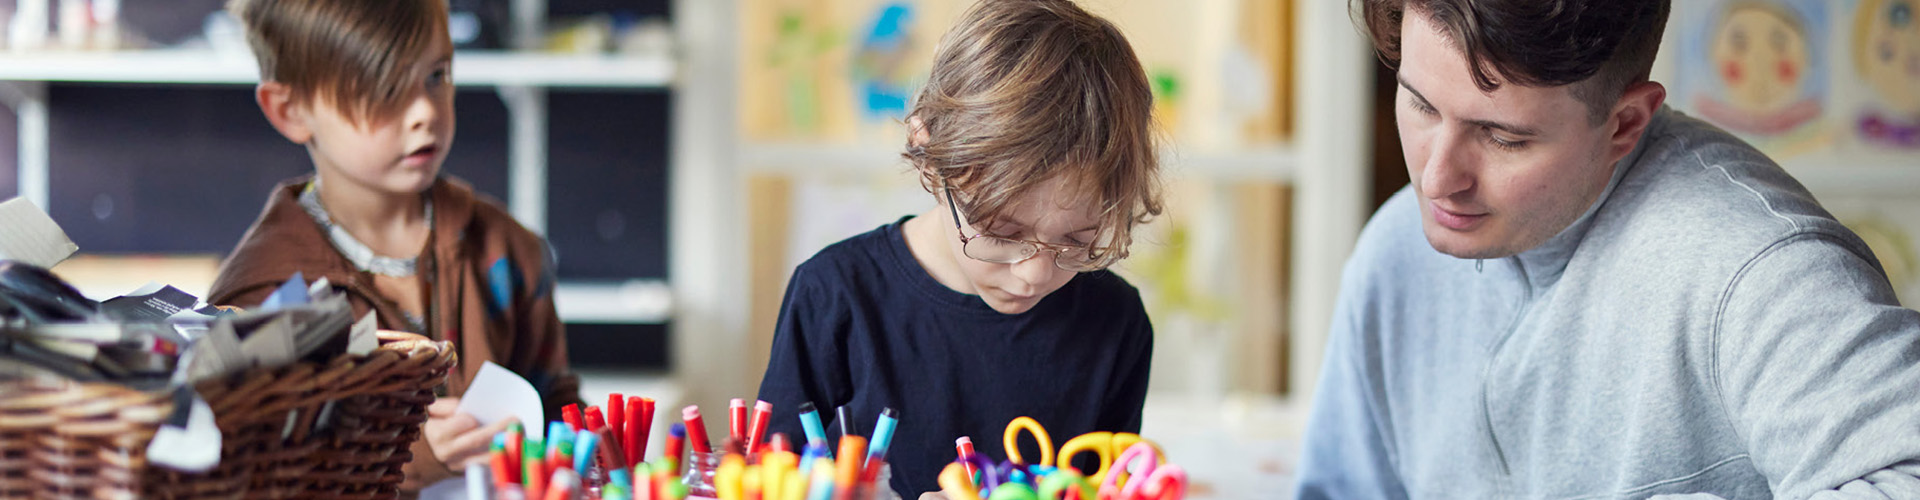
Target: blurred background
682,156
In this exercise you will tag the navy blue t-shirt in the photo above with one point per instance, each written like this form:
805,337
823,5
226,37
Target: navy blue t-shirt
864,325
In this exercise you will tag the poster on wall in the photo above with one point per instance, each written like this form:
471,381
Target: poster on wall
1882,54
1758,68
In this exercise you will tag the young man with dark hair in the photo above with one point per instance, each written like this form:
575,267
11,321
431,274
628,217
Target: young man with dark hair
1583,294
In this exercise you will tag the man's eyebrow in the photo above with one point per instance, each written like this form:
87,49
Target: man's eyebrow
1502,126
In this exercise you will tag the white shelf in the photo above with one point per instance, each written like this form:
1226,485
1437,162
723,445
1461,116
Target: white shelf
211,67
1269,163
636,301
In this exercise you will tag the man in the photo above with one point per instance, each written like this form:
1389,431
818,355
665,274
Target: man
1584,294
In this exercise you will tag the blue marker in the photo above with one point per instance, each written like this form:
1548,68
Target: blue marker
584,447
882,437
816,433
815,449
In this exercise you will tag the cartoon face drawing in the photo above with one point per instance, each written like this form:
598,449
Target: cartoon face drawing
1886,50
1760,52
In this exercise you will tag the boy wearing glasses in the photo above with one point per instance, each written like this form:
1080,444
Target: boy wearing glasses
1033,135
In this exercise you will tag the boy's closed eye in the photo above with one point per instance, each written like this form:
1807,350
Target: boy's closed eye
1018,231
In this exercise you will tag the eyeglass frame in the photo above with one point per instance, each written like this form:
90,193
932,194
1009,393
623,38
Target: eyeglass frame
1034,247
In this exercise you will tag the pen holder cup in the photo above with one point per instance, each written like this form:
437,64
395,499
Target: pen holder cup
699,476
340,429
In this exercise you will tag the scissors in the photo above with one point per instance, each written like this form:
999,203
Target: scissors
1105,445
1143,479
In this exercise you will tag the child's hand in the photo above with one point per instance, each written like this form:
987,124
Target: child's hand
456,438
933,495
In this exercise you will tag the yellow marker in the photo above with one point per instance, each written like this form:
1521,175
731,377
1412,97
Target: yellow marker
752,485
956,484
773,473
793,485
726,479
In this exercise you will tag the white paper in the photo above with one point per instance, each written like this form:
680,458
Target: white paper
365,336
193,449
446,489
498,393
28,235
271,345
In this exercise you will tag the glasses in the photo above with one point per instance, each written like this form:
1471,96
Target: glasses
995,249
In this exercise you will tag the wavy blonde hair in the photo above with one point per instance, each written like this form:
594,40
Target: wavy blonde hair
1027,91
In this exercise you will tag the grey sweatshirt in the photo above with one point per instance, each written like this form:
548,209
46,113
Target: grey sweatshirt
1705,328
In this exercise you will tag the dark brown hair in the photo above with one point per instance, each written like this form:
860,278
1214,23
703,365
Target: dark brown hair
358,54
1027,91
1598,46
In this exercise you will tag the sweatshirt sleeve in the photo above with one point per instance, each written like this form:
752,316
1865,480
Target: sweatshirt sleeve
1345,450
543,340
1818,368
807,361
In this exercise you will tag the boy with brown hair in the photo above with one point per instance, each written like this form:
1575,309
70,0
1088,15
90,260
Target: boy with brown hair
366,86
1034,137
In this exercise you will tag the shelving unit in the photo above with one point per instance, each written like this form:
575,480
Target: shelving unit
520,78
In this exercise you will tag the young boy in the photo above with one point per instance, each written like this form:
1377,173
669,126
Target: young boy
365,86
1033,135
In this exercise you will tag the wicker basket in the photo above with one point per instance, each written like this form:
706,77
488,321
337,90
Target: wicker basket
74,440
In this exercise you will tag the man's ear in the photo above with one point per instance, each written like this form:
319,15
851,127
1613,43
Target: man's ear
290,118
1631,116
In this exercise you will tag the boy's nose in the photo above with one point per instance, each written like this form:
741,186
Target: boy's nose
422,112
1035,270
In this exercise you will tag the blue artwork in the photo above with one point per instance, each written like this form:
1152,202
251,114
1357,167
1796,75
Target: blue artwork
881,77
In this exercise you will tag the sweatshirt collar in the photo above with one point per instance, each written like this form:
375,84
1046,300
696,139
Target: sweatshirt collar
1543,265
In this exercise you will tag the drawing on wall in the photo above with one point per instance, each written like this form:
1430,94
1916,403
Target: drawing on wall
1885,52
1757,68
798,44
882,71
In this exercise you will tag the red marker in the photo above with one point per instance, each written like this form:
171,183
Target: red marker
639,426
617,416
964,447
676,442
571,415
595,419
565,483
696,429
778,443
516,441
737,419
762,412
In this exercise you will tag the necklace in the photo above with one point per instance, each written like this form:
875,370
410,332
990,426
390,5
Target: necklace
359,253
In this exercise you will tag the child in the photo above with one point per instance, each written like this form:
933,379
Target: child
366,86
1033,135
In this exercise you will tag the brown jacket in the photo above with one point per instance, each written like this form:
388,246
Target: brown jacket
489,279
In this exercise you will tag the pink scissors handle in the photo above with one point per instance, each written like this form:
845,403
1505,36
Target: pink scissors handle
1136,477
1167,483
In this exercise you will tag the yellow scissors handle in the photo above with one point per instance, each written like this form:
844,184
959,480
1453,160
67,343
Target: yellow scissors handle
1100,443
1124,440
1039,435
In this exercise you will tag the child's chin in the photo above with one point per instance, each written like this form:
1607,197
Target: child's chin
1004,307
